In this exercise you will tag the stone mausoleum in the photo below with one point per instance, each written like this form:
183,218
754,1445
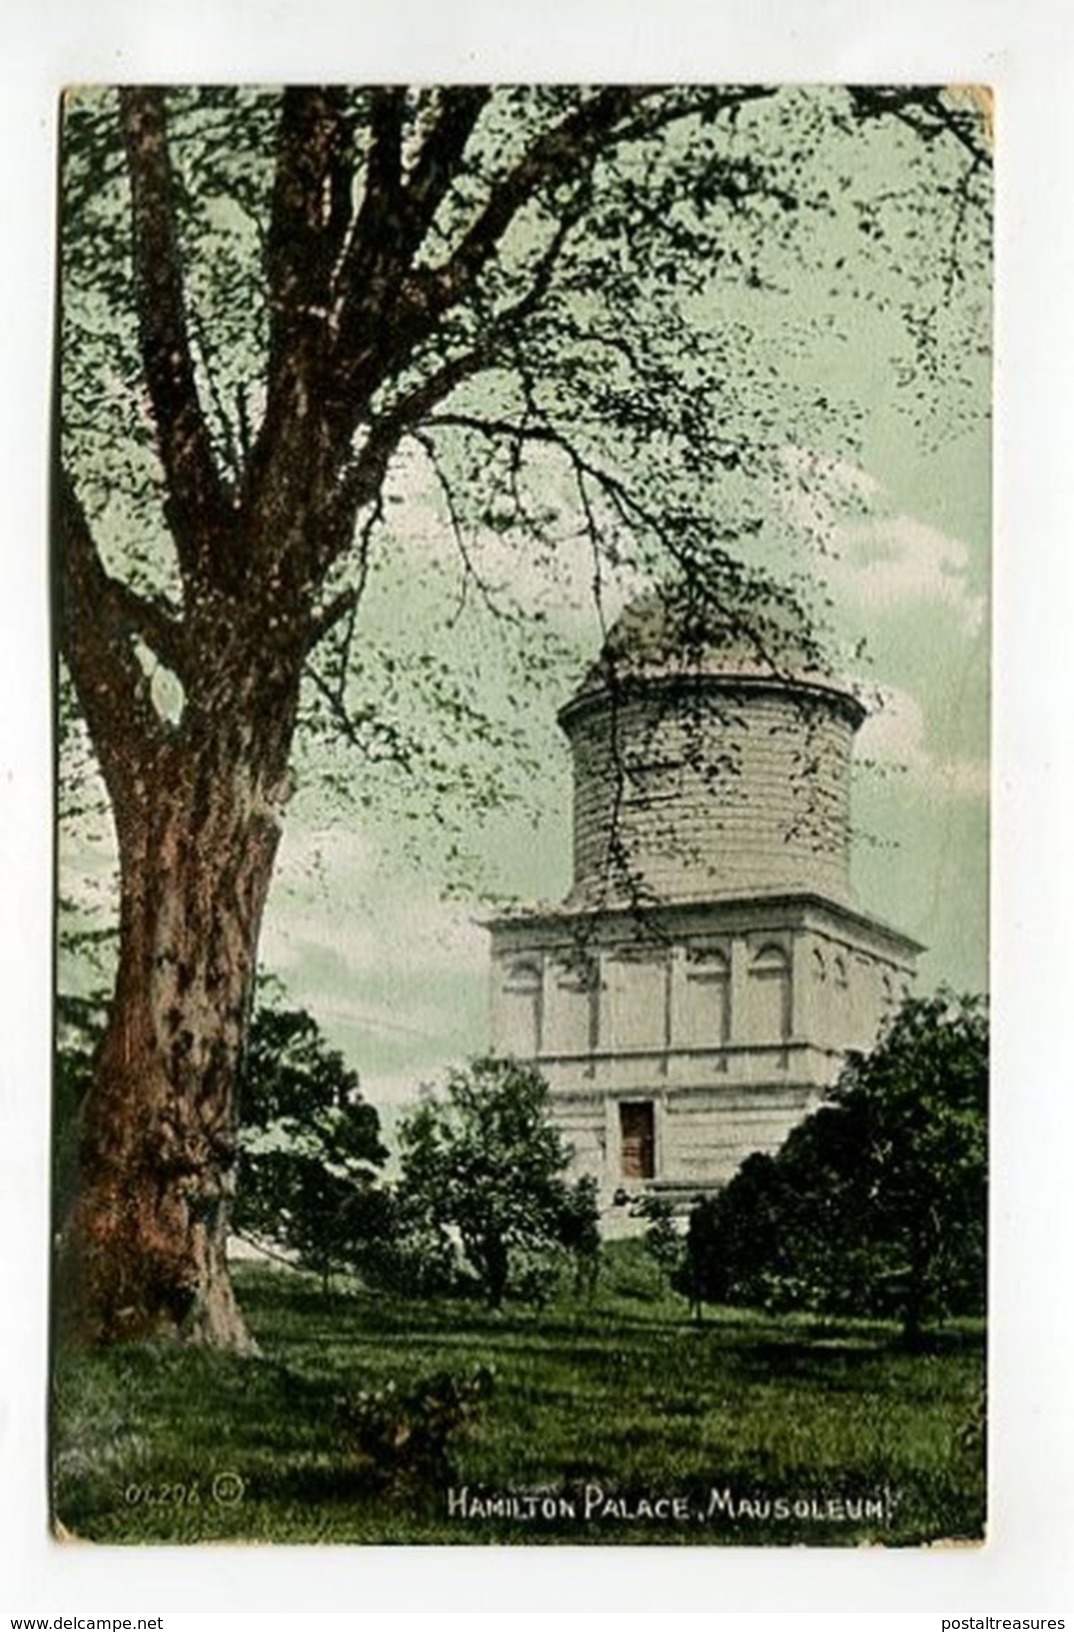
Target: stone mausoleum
696,992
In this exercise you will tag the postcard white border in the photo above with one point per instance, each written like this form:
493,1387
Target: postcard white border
1025,52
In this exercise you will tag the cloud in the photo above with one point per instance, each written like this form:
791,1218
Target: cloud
896,734
887,561
875,559
337,896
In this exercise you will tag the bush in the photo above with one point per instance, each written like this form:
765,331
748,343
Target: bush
309,1146
409,1254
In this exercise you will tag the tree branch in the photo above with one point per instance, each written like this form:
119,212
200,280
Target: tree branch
928,115
154,624
98,620
197,503
470,572
339,607
307,422
557,154
311,209
411,407
377,237
388,306
670,529
362,482
385,308
309,223
566,152
384,171
435,167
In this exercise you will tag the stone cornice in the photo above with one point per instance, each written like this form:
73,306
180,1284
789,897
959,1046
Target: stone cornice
594,697
749,912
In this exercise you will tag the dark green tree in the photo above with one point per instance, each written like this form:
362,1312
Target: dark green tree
271,304
579,1232
876,1204
923,1097
663,1242
310,1146
487,1162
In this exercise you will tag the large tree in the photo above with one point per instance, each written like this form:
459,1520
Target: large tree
269,300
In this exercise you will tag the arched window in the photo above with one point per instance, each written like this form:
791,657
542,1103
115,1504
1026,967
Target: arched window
770,995
818,966
704,1020
571,1020
636,997
520,1031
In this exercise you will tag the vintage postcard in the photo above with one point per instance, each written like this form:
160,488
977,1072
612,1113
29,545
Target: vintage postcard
521,612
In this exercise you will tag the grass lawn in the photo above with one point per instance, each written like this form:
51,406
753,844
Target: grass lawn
610,1420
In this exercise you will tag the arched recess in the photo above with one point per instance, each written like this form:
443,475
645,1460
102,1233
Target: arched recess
704,1018
570,1025
770,995
520,1030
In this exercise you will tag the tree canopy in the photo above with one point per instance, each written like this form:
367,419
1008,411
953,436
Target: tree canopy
579,340
486,1161
310,1145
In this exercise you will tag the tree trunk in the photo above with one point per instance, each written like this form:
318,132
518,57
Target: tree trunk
496,1266
145,1247
916,1300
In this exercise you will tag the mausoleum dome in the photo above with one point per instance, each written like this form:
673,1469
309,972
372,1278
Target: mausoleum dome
678,632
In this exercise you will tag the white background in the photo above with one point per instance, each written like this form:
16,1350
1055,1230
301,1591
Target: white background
1023,50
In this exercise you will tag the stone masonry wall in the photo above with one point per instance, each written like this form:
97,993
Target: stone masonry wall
706,791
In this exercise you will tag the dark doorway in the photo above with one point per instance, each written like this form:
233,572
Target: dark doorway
636,1140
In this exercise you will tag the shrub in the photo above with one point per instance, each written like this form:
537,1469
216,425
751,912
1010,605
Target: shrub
876,1204
398,1439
